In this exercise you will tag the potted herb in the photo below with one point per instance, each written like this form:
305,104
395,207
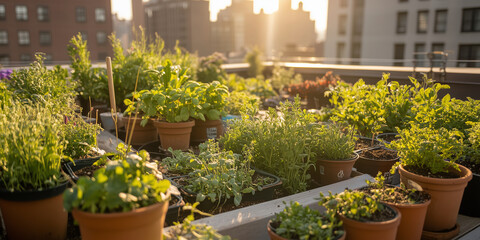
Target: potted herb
124,200
371,161
334,153
31,184
80,137
428,159
411,203
363,217
298,222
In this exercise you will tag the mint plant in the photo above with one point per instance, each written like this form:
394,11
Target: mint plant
298,222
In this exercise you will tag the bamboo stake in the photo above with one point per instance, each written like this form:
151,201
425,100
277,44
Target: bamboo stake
111,88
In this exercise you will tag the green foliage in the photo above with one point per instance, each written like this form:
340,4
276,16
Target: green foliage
213,99
280,143
81,137
427,149
239,102
282,77
392,194
472,146
456,113
255,86
210,68
255,64
298,222
5,95
332,142
123,185
32,147
352,204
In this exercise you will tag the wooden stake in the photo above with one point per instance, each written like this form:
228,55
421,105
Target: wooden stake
111,88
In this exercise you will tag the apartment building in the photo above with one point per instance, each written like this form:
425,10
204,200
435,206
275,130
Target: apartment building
401,32
30,26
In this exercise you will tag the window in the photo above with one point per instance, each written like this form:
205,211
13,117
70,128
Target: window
25,57
4,59
21,12
422,21
355,53
2,12
23,37
100,14
419,55
437,49
42,14
343,3
440,21
399,54
101,37
3,37
471,20
81,14
342,24
402,22
469,52
340,52
45,38
403,0
102,56
84,36
48,58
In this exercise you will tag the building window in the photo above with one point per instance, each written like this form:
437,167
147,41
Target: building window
2,12
100,15
469,52
355,53
403,0
42,14
81,14
23,37
437,50
402,22
101,37
4,59
3,37
399,54
471,20
419,55
422,21
84,36
340,52
25,57
21,12
343,3
102,56
342,24
440,21
45,38
48,58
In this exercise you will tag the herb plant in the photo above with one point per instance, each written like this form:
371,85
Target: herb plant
238,102
334,142
472,145
210,68
298,222
213,99
255,64
282,77
81,137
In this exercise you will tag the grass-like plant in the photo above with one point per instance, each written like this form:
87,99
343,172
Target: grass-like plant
334,142
81,137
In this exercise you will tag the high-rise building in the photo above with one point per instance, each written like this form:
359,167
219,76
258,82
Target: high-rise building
400,32
30,26
185,21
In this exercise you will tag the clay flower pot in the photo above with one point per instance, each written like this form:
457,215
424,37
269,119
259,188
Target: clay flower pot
204,130
34,214
446,196
141,135
413,217
174,135
372,230
332,171
372,166
141,223
274,236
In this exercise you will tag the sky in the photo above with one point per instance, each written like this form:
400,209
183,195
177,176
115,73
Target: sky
317,9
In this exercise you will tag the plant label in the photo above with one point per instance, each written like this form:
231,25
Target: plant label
211,133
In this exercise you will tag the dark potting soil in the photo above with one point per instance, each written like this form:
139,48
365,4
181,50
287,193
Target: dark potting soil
87,171
399,195
380,216
389,138
379,154
426,173
474,167
362,143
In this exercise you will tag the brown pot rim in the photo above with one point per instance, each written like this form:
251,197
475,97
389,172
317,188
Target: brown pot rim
352,159
381,160
371,224
163,124
272,230
465,177
409,205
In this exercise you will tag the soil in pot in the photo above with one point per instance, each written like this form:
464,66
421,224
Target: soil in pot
366,143
371,161
387,137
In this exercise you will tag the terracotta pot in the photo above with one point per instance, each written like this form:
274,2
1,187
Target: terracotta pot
174,135
373,166
332,171
372,230
141,135
413,217
204,130
446,196
35,214
142,223
275,236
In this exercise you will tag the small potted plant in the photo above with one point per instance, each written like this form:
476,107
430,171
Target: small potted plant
428,159
124,200
31,183
334,153
363,217
411,203
298,222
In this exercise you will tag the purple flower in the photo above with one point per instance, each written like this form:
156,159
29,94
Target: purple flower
5,73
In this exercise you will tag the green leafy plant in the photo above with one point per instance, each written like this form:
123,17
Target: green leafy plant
282,77
32,148
256,86
125,184
332,142
210,68
81,137
298,222
213,99
238,102
255,64
472,145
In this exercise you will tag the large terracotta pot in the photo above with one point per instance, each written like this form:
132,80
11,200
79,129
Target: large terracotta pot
34,214
143,223
373,166
174,135
275,236
386,230
204,130
332,171
446,196
141,135
413,217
